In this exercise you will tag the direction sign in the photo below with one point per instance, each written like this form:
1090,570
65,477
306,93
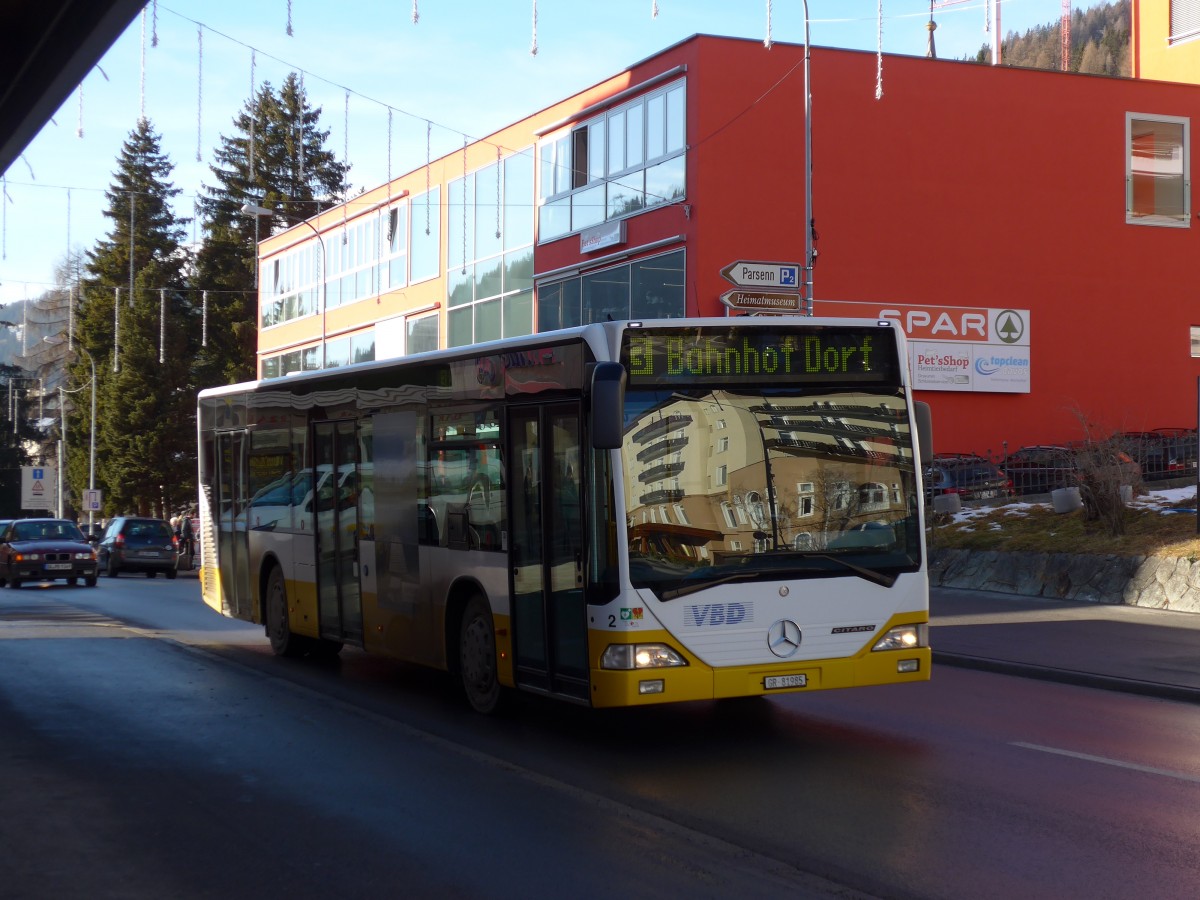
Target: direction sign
767,275
762,301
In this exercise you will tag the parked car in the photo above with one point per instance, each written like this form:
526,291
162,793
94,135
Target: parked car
45,550
133,544
971,477
1162,453
1041,468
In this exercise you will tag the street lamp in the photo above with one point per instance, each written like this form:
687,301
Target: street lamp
255,210
56,340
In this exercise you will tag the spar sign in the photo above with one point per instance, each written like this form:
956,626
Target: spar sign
39,487
955,348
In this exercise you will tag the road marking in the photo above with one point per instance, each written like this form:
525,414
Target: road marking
1120,764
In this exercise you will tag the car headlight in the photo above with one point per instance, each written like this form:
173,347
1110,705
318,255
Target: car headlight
903,637
27,557
640,656
91,555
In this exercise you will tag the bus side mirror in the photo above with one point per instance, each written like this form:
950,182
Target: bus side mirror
608,405
924,422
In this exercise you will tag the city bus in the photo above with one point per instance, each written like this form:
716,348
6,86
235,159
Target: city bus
619,514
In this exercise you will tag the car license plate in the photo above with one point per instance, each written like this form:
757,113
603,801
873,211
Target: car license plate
985,495
774,682
153,553
59,567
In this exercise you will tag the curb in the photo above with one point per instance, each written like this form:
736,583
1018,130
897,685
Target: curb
1066,676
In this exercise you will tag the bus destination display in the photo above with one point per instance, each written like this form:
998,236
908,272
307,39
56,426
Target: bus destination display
820,354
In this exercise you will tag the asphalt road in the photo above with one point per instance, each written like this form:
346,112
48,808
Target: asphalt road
151,748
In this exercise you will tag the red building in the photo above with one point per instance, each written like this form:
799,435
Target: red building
1030,228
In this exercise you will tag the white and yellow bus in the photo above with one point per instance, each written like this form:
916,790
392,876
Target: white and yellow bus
620,514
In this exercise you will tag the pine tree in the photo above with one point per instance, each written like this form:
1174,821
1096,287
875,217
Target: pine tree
143,346
276,158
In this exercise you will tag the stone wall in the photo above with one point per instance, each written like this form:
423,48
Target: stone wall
1155,582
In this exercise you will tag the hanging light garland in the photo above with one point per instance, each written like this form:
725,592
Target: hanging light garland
499,170
199,86
879,54
162,325
204,318
533,48
416,16
289,18
142,101
654,9
253,114
428,161
767,42
464,205
154,24
116,329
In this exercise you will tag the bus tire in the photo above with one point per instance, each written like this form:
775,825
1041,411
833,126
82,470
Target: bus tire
279,630
477,657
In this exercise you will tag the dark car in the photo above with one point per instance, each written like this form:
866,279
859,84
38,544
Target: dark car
1162,453
1041,469
971,477
133,544
45,550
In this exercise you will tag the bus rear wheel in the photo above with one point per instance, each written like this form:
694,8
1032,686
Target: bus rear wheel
279,630
477,657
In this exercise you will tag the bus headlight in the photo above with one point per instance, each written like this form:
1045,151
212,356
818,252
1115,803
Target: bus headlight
639,656
903,637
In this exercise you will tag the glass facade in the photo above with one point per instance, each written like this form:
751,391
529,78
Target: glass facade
489,241
627,159
651,288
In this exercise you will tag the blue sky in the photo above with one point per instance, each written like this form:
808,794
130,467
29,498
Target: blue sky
465,67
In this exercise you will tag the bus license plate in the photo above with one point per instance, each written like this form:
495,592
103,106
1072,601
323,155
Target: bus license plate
774,682
58,567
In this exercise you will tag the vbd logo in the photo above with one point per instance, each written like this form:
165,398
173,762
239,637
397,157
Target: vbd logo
710,615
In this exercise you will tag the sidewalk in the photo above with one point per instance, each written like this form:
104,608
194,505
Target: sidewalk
1153,652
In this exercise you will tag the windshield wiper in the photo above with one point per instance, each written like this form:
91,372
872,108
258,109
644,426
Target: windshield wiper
707,583
881,578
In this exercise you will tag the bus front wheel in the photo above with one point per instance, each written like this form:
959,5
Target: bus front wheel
477,657
279,630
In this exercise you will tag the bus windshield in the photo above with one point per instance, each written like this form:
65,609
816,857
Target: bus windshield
770,483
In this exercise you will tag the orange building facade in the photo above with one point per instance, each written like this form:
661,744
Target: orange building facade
1031,230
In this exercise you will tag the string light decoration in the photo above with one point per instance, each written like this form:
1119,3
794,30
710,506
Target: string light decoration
199,86
154,24
79,120
498,171
416,16
253,116
654,9
346,129
162,325
533,47
428,161
879,53
142,101
5,200
767,42
204,318
464,205
289,18
116,329
300,124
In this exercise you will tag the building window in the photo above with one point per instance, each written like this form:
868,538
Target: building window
625,160
1157,166
727,512
722,476
393,270
681,515
421,334
650,288
489,240
722,444
424,254
1185,20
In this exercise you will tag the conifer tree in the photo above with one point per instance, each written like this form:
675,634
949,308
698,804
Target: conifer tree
275,158
143,340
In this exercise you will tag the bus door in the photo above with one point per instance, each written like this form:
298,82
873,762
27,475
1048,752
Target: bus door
546,554
335,511
232,543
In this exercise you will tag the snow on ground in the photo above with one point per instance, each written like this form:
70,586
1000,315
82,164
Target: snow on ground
1163,500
